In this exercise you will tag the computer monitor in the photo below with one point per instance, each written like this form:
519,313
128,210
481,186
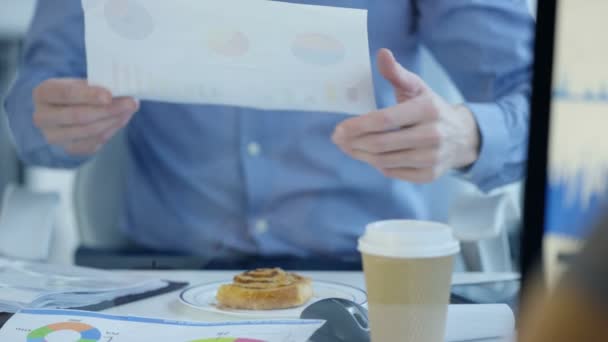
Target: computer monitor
567,182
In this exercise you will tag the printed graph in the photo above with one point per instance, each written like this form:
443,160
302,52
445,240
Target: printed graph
80,331
318,49
228,43
129,19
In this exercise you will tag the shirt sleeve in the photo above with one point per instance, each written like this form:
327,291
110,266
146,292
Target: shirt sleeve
486,47
54,47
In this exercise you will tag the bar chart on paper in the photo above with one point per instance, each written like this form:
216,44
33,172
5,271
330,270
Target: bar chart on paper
80,326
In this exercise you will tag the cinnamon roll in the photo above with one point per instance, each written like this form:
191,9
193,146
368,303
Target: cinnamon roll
265,289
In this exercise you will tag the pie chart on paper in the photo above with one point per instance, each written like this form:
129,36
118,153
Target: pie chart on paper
228,43
87,332
128,18
318,49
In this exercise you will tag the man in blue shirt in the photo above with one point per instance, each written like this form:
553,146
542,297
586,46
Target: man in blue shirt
227,181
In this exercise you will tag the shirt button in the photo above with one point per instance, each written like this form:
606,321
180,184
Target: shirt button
254,149
261,227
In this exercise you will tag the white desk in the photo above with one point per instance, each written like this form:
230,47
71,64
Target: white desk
168,305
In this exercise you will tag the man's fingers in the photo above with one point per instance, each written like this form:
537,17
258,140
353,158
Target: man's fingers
421,136
413,112
411,159
89,146
419,176
66,134
83,114
406,83
85,147
64,91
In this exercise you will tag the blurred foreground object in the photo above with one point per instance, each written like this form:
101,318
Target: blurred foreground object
577,310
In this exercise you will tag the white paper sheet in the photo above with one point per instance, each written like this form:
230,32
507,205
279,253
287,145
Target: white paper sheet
55,325
26,284
251,53
470,322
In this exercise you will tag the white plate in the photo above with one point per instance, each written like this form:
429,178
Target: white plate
202,297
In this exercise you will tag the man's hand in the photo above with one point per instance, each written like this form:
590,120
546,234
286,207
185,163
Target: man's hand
79,117
417,140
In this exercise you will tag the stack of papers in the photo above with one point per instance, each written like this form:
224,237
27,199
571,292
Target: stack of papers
63,325
474,322
39,285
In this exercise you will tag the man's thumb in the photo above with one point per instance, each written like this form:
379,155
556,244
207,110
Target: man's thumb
405,83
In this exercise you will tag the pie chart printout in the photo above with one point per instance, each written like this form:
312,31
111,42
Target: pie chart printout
157,50
87,332
228,43
128,18
318,49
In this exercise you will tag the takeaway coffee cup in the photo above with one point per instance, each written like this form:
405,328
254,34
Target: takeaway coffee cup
408,269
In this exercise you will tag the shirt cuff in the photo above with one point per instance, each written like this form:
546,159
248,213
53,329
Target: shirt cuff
494,137
29,142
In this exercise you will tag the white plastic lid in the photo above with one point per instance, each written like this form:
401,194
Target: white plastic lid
408,239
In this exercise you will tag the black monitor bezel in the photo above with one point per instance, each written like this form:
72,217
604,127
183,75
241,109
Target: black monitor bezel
540,118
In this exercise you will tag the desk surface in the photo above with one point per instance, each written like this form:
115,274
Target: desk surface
168,305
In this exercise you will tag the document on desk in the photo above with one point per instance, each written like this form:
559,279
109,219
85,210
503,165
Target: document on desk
25,284
64,325
475,322
251,53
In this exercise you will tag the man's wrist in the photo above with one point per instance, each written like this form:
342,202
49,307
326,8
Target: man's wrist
471,141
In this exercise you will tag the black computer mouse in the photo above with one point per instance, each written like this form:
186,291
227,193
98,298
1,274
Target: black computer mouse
345,321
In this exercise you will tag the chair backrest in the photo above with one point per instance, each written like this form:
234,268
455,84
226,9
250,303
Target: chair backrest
98,196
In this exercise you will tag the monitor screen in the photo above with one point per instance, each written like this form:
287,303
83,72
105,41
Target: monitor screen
577,172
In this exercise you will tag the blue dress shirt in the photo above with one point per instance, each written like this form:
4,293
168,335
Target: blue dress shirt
217,180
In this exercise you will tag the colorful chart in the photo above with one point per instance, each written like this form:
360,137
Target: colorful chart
228,339
332,93
129,19
228,43
318,49
356,92
87,333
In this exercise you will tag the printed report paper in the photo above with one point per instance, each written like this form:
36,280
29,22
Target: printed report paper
25,284
66,325
262,54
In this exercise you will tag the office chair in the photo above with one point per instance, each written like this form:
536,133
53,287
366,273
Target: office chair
98,197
